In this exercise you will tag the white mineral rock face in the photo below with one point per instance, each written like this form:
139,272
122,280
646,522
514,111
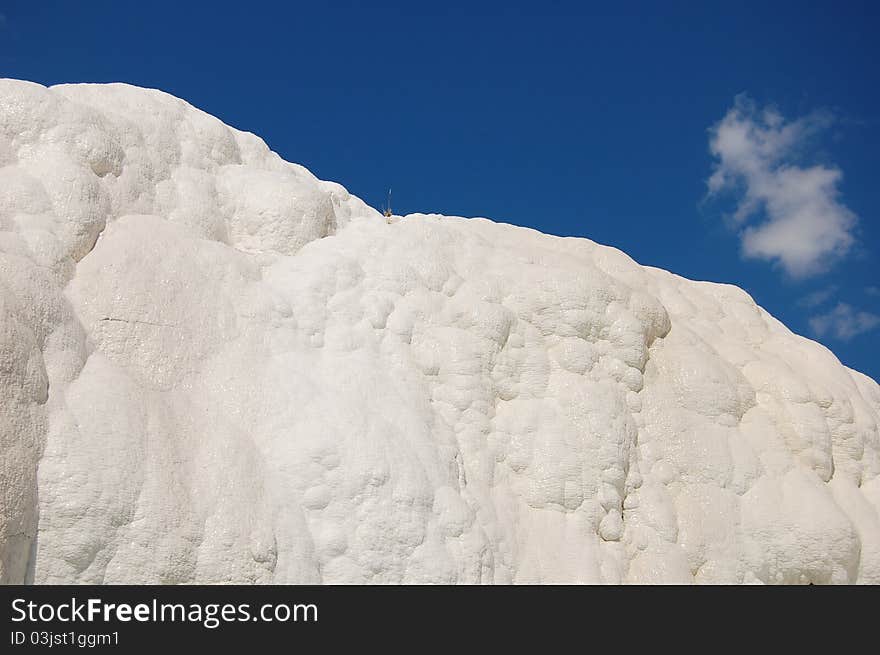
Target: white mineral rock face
215,367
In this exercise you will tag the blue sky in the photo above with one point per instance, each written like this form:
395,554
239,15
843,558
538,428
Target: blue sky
604,120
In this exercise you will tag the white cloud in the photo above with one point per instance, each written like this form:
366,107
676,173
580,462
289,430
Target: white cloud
786,213
844,322
819,297
872,291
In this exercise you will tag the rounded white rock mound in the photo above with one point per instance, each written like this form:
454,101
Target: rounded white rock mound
217,368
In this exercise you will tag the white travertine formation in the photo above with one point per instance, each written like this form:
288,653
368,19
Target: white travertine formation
216,368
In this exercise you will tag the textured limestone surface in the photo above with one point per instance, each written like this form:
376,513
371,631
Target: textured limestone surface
215,367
